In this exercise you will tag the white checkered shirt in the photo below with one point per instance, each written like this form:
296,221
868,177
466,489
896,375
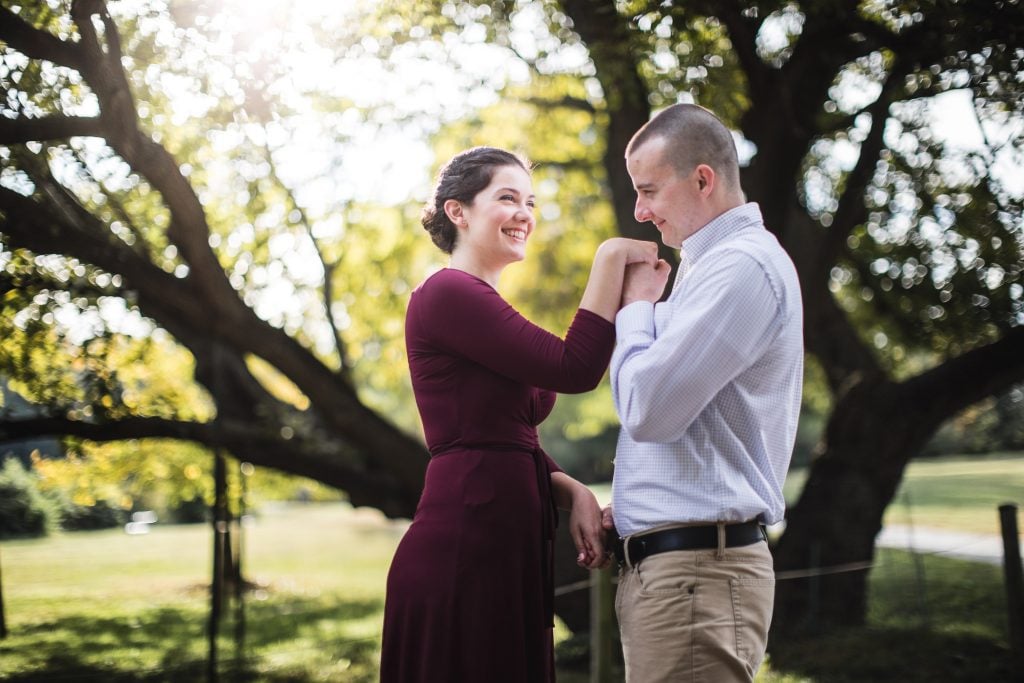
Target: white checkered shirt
707,384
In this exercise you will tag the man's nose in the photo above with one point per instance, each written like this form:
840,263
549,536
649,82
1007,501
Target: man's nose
640,212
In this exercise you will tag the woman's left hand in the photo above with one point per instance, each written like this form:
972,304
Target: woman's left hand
586,529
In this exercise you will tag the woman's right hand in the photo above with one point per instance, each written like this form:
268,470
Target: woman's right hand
633,251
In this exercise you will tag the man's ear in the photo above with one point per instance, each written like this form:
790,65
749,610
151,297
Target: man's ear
705,179
454,210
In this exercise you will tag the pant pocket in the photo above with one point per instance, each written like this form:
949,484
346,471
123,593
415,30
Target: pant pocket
752,602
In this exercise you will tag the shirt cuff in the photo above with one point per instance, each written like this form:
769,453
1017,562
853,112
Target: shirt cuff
636,317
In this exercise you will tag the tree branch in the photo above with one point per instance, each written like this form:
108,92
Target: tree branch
384,451
610,41
38,44
344,368
141,245
743,36
188,227
242,439
970,377
852,208
566,102
117,430
55,127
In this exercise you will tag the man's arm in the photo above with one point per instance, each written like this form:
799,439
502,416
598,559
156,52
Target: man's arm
729,316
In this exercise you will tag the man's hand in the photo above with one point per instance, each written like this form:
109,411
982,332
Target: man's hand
611,536
644,282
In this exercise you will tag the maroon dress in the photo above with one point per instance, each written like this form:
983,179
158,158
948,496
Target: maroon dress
470,590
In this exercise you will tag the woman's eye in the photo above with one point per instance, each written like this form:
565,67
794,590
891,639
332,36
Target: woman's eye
508,198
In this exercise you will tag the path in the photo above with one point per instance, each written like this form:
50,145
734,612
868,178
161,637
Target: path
985,548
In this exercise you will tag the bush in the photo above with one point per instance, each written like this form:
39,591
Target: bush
24,511
191,511
101,515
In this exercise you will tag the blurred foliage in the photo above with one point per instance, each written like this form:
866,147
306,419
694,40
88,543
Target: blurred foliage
24,511
261,105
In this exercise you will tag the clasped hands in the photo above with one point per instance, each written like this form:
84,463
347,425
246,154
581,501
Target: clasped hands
645,274
593,530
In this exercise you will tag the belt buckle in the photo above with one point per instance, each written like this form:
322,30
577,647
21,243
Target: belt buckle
627,561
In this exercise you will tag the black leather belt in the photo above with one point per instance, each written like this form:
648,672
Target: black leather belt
687,538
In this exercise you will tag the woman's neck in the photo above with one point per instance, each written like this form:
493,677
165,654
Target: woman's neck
466,263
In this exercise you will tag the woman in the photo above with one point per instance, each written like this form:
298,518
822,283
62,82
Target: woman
470,592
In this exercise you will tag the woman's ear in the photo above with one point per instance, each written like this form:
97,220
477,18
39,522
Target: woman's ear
454,210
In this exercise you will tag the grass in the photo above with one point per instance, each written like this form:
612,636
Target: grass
930,619
104,606
954,493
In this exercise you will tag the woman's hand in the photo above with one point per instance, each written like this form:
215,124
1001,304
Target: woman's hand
585,526
603,294
632,251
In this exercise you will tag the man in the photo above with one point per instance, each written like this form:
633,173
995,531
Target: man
707,386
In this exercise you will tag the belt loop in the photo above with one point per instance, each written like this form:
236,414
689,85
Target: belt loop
720,551
625,552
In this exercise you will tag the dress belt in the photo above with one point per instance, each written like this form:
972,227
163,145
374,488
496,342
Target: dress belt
548,513
630,551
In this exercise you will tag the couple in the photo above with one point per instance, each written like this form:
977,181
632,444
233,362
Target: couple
707,386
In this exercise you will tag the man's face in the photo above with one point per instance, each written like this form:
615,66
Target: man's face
673,202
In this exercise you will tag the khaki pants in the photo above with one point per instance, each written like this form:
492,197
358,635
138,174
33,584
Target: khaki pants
696,616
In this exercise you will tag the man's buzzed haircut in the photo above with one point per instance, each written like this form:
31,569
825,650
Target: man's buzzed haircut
693,136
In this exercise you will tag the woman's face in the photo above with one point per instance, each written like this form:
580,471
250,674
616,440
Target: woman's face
500,219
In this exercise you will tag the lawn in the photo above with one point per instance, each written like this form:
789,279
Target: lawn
105,606
958,494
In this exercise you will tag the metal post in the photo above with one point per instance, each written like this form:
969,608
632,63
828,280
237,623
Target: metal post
3,620
918,560
814,587
1014,585
601,625
219,537
246,470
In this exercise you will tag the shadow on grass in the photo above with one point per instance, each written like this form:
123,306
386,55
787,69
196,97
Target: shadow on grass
887,654
168,644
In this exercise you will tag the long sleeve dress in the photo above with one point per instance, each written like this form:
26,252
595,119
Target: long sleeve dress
469,594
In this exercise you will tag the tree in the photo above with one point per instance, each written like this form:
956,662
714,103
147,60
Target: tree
909,255
77,239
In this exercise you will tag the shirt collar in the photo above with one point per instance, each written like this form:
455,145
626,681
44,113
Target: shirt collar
720,229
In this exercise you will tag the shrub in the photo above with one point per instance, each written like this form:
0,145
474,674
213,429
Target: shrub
24,511
191,511
101,515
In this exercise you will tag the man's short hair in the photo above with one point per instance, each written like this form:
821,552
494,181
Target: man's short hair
693,136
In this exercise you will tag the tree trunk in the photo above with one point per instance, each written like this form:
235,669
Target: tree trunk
829,542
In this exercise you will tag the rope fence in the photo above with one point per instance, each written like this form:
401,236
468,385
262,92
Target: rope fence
246,661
